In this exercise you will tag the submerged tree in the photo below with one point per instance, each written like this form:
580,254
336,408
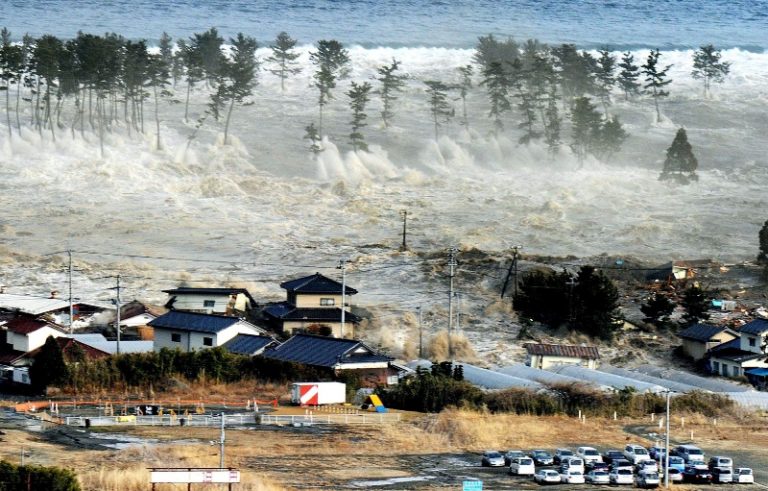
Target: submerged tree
552,123
708,67
696,305
158,76
576,71
628,75
680,163
239,75
358,97
391,83
193,62
313,136
439,107
497,83
465,83
656,79
606,78
762,256
657,309
331,60
283,58
490,50
11,60
585,123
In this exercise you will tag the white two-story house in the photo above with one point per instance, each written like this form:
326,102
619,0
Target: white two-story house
190,331
228,301
746,352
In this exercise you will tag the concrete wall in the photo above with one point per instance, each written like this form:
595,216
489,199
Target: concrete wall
757,341
698,349
313,301
728,368
33,340
191,341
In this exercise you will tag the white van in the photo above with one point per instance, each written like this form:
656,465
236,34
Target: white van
636,453
572,464
522,466
720,461
691,454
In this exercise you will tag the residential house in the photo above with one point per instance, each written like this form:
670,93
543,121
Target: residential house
250,345
544,356
746,352
699,338
101,343
338,356
190,331
51,307
675,271
314,305
27,333
227,301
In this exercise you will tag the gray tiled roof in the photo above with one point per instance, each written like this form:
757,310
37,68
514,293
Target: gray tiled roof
323,351
316,283
184,290
247,344
702,332
757,326
192,321
286,311
589,352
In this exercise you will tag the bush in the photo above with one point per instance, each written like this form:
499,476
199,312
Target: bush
24,478
432,391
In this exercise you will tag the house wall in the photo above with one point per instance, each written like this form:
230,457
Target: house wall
192,341
349,328
758,342
544,361
33,340
222,303
311,300
698,349
732,369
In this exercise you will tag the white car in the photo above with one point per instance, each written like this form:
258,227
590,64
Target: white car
647,466
522,466
743,475
572,476
621,476
722,475
636,453
589,455
648,480
572,464
597,477
544,476
675,474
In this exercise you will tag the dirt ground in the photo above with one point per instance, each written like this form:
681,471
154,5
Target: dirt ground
423,452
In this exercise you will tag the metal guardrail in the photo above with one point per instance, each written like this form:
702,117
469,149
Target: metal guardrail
330,419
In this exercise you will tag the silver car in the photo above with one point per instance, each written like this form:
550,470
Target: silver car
492,458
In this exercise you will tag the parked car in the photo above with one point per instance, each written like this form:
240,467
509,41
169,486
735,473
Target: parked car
675,462
647,466
675,474
572,463
621,476
589,454
561,453
720,461
541,457
657,453
636,453
697,476
689,453
743,475
648,480
522,466
611,455
546,476
597,477
598,466
512,454
492,458
572,476
622,464
722,475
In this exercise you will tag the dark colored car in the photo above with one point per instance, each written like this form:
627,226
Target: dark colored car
598,466
611,455
697,476
541,457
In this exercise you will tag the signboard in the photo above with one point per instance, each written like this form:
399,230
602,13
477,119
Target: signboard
473,486
195,476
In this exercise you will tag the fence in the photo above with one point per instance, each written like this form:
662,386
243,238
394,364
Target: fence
330,419
232,420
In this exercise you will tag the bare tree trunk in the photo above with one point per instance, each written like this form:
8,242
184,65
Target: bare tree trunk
157,118
77,115
18,99
37,110
100,111
90,106
229,115
48,110
8,107
186,105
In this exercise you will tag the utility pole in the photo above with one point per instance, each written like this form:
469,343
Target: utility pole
343,267
452,265
666,446
421,335
71,305
515,256
404,214
221,443
117,307
458,311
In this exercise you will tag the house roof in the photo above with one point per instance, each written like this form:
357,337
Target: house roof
30,304
316,283
90,351
323,351
136,308
703,332
589,352
733,344
101,343
9,356
757,326
26,325
193,321
736,355
286,311
759,372
247,344
184,290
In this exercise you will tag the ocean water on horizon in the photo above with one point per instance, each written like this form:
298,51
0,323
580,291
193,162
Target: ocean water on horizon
619,24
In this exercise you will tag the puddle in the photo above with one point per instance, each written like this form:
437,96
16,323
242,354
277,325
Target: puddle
390,481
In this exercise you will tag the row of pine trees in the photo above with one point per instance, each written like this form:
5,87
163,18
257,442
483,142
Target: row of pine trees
106,80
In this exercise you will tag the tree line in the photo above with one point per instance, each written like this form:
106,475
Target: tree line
105,80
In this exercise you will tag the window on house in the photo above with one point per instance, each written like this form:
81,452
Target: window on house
327,302
209,303
752,342
176,338
207,341
725,370
715,366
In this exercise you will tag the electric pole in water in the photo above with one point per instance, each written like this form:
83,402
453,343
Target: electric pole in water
71,306
404,214
343,267
221,443
421,335
451,265
117,307
515,256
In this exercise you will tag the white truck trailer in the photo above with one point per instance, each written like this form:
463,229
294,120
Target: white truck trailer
318,393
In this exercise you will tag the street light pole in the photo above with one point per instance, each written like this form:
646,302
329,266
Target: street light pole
221,443
666,446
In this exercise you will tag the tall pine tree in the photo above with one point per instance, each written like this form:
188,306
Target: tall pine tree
391,82
656,79
680,163
628,75
708,67
358,98
439,107
283,59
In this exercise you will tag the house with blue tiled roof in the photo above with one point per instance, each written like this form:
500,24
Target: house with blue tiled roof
699,338
313,305
744,353
337,356
249,345
190,331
